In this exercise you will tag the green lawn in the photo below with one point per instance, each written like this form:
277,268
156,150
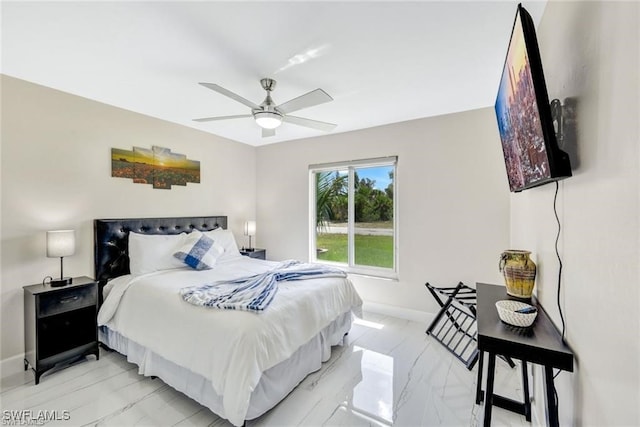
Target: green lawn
374,251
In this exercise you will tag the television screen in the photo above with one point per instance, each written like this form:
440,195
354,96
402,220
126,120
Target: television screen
531,152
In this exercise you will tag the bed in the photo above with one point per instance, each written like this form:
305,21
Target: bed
237,363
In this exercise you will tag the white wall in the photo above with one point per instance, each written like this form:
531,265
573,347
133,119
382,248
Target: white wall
56,173
590,54
453,200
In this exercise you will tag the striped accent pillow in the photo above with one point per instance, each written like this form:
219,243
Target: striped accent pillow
199,251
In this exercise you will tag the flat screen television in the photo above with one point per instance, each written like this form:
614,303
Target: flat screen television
531,153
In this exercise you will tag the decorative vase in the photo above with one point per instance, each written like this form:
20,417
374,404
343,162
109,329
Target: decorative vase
519,272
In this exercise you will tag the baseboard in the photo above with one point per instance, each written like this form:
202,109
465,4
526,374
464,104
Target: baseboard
400,312
11,365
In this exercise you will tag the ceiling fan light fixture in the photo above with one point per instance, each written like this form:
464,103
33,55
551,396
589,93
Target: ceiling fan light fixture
268,119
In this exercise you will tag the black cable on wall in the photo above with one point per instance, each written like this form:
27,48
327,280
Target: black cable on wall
555,211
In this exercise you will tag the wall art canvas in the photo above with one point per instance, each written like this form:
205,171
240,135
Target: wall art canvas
157,166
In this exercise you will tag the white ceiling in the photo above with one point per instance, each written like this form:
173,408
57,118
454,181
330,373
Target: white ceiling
382,62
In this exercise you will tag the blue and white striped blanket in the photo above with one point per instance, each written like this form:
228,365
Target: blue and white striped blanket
254,293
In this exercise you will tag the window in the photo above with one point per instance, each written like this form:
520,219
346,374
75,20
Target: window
353,213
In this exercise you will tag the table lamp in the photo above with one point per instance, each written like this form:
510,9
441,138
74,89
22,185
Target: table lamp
61,243
249,230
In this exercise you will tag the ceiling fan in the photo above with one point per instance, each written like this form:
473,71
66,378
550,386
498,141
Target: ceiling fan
268,115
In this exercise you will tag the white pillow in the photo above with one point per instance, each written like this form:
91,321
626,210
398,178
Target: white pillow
154,252
225,239
199,252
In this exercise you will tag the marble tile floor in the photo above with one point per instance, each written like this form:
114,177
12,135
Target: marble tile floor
389,372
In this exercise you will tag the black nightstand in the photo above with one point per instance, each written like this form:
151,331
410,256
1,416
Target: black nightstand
60,324
255,253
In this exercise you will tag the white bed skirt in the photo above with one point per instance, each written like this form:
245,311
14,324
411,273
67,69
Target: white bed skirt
275,384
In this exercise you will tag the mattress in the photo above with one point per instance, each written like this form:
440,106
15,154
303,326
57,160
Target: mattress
223,358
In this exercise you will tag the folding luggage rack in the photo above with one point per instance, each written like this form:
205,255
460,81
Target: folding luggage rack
455,324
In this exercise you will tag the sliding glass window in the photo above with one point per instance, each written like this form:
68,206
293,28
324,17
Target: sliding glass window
353,215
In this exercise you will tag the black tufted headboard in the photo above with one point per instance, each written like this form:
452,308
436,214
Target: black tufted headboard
111,239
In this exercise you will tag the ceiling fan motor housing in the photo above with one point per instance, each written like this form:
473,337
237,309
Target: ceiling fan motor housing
268,84
268,116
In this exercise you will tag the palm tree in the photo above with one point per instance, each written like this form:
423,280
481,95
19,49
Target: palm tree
328,186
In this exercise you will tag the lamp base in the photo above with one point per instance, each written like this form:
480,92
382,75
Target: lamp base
56,283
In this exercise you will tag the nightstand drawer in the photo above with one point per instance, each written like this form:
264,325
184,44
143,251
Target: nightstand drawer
67,300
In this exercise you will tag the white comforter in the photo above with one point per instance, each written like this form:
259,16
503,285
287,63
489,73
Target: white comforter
231,348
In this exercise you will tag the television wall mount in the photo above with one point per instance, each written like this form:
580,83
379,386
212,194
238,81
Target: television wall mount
557,117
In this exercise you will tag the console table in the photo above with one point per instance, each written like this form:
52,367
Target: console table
540,344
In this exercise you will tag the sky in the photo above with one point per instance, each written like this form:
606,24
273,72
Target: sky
378,174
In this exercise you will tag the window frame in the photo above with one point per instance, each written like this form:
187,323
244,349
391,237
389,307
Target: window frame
351,166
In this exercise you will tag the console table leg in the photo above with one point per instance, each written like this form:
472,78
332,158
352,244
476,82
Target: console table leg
479,383
552,408
488,396
525,387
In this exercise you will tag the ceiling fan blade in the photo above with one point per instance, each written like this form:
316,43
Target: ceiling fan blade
268,132
314,124
307,100
211,119
230,94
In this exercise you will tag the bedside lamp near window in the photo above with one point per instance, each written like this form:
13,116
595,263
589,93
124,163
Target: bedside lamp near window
249,230
61,243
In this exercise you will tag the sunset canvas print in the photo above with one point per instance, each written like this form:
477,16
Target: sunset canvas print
157,166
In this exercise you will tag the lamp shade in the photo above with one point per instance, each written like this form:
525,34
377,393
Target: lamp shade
268,119
250,228
61,243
